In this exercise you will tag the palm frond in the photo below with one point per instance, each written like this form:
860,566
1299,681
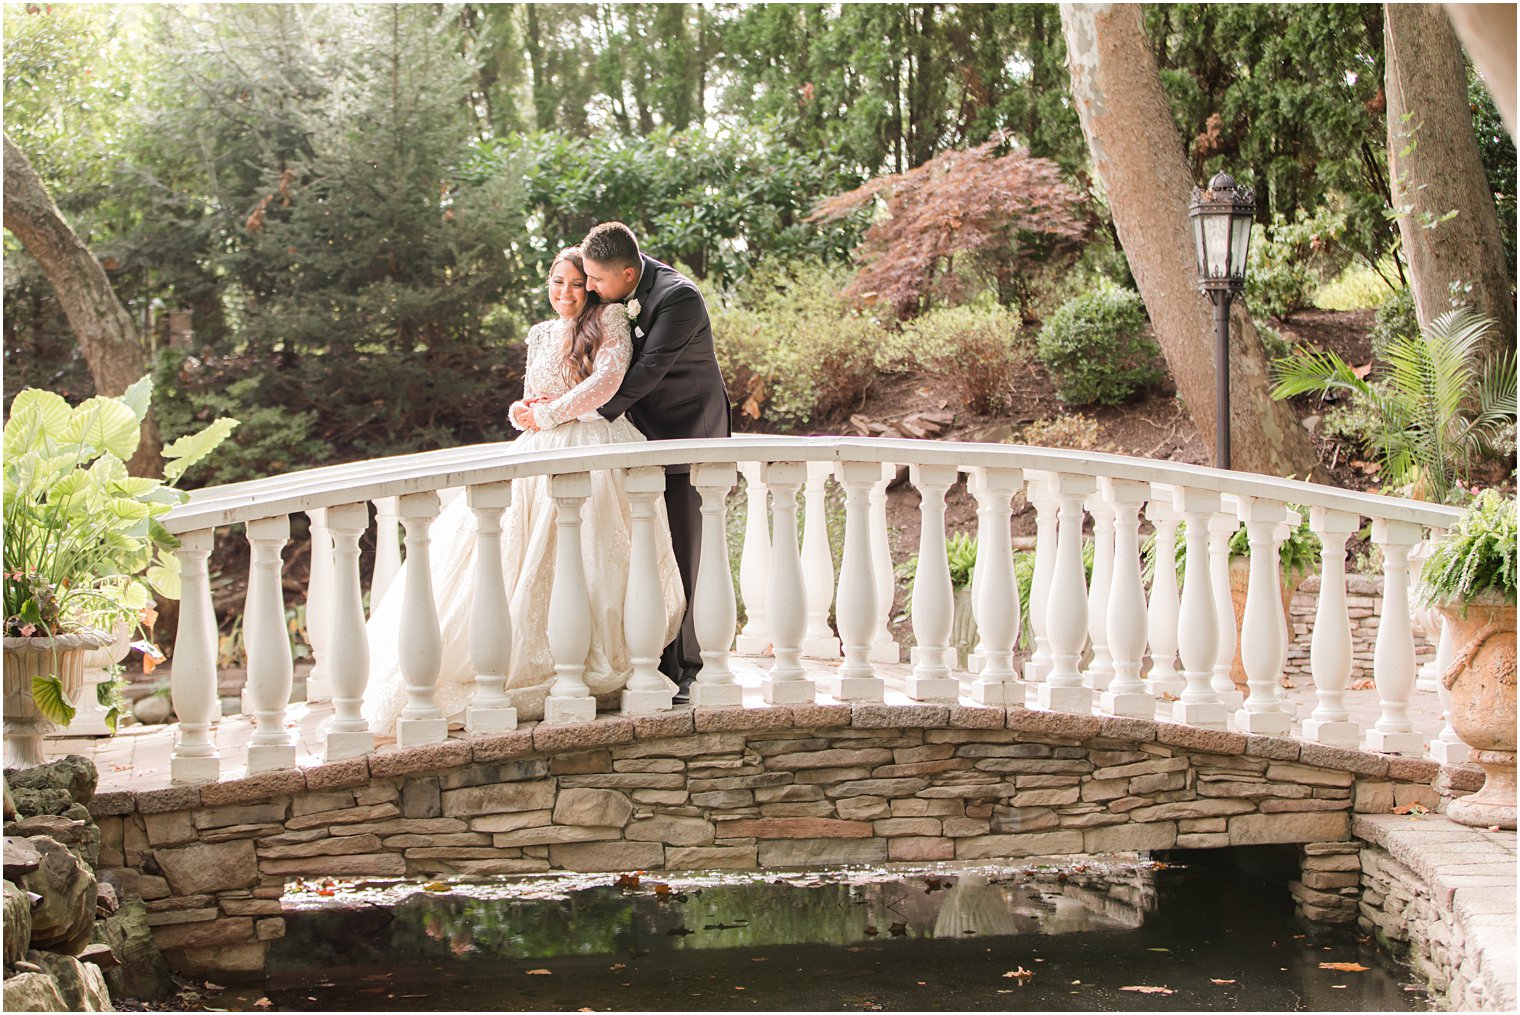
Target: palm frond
1322,371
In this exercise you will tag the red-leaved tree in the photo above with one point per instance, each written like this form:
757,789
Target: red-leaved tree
964,217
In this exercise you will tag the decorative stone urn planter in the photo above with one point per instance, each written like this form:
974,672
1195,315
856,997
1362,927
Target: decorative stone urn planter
1481,679
1240,578
25,658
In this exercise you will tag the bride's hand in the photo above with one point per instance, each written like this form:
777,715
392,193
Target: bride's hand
522,416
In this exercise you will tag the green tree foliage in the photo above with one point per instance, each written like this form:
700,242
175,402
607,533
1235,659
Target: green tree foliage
1096,347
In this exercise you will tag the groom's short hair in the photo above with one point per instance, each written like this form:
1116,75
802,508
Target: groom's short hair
612,244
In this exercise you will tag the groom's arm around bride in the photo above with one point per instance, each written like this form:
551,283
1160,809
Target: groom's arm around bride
673,390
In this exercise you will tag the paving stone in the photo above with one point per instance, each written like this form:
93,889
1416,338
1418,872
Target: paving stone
890,827
359,864
711,857
674,831
607,856
253,788
986,847
917,807
1276,748
920,849
228,930
697,745
1308,775
899,716
209,867
545,835
1192,809
976,717
1263,829
1199,739
863,808
1130,837
814,852
349,816
499,799
331,846
249,814
501,746
835,758
738,720
623,780
339,774
1156,767
798,828
404,826
876,787
675,723
592,807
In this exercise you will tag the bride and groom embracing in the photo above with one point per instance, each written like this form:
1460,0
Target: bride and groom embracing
628,357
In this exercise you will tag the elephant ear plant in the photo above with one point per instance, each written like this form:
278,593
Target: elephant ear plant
84,546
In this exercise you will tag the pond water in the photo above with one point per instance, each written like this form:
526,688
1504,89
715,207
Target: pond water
1107,936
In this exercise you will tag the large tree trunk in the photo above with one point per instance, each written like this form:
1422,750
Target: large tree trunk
105,331
1436,171
1488,33
1138,156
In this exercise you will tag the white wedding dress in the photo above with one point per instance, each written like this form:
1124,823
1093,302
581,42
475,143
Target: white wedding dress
528,548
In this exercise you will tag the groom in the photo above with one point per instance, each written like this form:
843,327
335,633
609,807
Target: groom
672,390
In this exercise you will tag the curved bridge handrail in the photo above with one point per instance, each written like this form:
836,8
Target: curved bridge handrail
352,482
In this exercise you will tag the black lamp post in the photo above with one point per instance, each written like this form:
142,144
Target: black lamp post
1221,236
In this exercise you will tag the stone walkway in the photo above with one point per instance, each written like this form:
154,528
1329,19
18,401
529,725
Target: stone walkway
138,757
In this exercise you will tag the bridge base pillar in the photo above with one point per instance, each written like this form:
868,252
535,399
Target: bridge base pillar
646,702
1332,734
1271,724
942,689
1231,700
788,692
885,651
752,645
867,689
1447,753
271,757
416,732
1199,713
559,711
1409,744
821,648
194,771
1064,699
491,720
716,695
1132,706
318,687
1007,693
338,746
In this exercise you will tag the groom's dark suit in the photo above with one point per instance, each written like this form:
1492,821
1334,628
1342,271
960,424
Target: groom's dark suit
673,389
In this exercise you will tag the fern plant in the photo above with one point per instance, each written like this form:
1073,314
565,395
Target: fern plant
1477,556
1437,404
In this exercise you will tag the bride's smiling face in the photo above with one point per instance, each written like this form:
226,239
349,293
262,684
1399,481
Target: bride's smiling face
567,289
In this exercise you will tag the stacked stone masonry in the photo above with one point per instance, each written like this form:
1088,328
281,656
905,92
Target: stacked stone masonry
702,789
1364,608
1445,895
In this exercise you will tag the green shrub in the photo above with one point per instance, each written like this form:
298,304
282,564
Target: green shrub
976,348
1096,348
1477,556
1287,262
792,348
1396,318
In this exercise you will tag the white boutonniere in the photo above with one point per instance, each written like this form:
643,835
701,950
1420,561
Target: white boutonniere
632,308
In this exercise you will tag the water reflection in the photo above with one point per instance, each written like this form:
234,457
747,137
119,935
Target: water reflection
1081,937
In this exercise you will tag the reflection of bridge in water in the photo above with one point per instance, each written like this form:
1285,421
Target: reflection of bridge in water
829,750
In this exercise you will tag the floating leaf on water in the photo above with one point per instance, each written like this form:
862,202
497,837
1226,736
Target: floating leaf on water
263,1002
435,886
1220,982
1413,807
1020,975
1150,990
539,972
1345,967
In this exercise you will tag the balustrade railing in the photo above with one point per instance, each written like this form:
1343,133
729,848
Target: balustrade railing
1111,643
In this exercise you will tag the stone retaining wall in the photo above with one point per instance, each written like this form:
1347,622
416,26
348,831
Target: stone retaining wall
1364,605
709,788
1445,895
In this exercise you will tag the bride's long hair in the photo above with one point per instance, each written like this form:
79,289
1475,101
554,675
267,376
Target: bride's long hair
586,333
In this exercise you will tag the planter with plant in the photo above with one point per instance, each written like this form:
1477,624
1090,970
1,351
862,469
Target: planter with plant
1470,577
84,547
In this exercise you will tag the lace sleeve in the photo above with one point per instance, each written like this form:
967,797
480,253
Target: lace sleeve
535,346
606,375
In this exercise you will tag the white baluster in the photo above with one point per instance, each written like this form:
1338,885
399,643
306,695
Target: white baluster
348,735
1447,748
1125,635
1427,619
755,563
1393,655
269,666
1291,520
1101,670
648,690
192,681
883,648
319,598
997,605
490,710
569,698
1198,614
974,487
715,613
419,647
1221,527
1330,642
1164,679
1261,635
1066,610
933,599
1037,490
857,607
818,565
387,550
786,683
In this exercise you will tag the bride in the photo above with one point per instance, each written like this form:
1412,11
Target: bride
575,363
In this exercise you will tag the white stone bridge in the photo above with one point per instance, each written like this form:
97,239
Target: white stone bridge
800,746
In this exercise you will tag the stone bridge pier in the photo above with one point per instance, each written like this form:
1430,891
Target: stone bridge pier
739,788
